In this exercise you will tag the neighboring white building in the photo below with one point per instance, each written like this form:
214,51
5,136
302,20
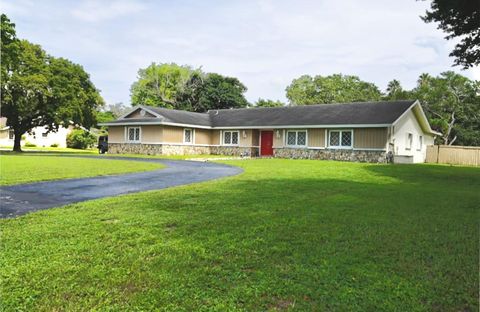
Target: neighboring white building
410,136
38,136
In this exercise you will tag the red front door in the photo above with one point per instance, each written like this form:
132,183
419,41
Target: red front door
266,143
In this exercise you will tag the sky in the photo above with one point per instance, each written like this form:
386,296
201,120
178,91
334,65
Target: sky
264,43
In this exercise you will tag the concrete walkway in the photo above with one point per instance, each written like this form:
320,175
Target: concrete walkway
20,199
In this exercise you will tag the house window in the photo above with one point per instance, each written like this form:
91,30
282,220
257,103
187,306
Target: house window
133,134
11,134
296,138
45,135
420,142
188,136
341,138
408,143
230,137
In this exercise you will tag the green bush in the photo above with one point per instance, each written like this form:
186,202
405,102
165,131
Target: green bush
80,139
28,144
54,145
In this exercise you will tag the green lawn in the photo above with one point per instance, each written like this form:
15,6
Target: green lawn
52,149
284,235
21,168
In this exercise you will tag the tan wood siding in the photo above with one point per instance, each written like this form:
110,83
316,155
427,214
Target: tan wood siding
116,134
151,134
245,137
370,138
278,140
172,134
203,136
136,114
316,137
255,138
215,137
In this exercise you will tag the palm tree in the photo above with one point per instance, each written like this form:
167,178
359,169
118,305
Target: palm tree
394,87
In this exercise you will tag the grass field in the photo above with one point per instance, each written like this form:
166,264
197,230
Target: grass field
284,235
52,150
24,168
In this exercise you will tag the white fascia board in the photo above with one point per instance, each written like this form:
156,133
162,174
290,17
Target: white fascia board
299,127
151,123
422,115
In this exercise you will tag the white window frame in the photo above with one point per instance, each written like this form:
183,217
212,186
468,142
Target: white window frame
127,139
11,134
409,141
296,138
340,146
231,136
420,143
192,135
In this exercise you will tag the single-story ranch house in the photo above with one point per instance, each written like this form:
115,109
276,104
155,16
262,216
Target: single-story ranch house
352,131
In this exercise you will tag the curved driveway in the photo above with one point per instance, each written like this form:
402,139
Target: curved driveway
20,199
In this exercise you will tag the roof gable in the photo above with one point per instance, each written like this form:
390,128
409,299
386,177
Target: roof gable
138,113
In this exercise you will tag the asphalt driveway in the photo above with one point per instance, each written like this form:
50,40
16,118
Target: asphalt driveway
20,199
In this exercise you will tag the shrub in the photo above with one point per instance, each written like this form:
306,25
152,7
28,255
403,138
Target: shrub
28,144
80,139
54,145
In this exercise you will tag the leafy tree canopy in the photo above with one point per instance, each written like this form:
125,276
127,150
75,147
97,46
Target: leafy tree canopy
41,90
185,88
160,84
335,88
268,103
219,92
459,19
452,104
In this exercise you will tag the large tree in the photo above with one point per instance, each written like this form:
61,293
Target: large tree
452,104
219,92
161,84
185,88
41,90
335,88
459,19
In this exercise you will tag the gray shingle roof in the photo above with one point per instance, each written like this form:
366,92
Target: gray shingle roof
365,113
322,114
183,117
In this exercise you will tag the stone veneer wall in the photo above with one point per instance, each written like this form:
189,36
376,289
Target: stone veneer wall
185,150
134,148
331,154
295,153
172,149
234,151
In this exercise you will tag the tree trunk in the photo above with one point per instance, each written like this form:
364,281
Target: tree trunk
16,142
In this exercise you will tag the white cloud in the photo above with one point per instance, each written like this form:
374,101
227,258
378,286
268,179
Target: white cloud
264,43
96,11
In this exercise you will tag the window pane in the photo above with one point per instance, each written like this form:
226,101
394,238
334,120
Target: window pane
137,134
131,134
291,138
334,138
188,136
346,138
227,137
301,138
234,137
